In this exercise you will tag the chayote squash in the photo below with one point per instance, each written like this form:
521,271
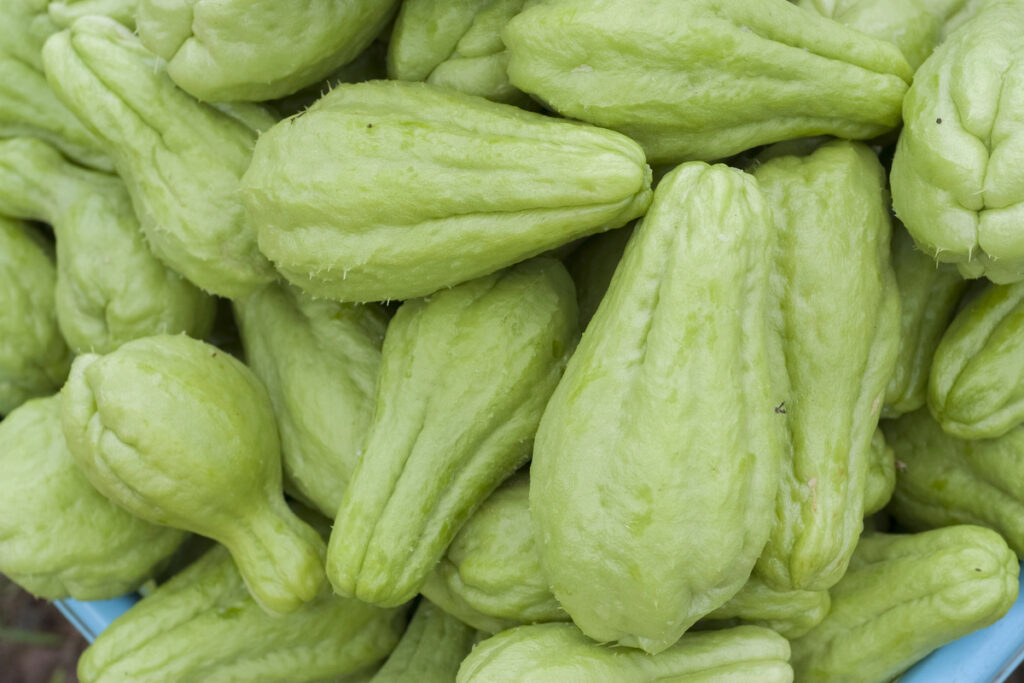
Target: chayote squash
914,26
662,442
182,434
393,190
59,537
791,614
319,360
929,294
491,577
465,374
904,596
430,651
956,177
202,625
592,267
832,215
252,50
881,475
705,79
976,387
110,287
942,480
34,359
64,12
455,45
28,107
180,159
559,652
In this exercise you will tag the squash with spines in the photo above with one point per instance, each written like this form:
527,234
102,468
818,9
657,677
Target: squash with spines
256,50
929,294
663,441
34,358
431,649
319,360
977,371
491,577
832,215
28,106
180,159
389,190
182,434
706,79
465,374
903,596
110,287
942,480
59,537
455,45
555,652
957,176
203,625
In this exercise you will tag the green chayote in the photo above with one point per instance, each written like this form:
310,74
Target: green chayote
110,287
34,359
252,50
957,177
559,652
976,386
880,478
28,107
705,79
789,613
434,645
832,214
64,12
491,577
180,159
392,190
914,26
465,374
592,267
662,442
904,596
202,625
942,480
182,434
59,537
455,45
319,361
929,294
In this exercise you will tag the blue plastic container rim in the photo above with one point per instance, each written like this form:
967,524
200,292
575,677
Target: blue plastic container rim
92,618
985,656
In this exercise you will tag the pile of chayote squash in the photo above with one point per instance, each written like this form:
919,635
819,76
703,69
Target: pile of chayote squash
441,320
